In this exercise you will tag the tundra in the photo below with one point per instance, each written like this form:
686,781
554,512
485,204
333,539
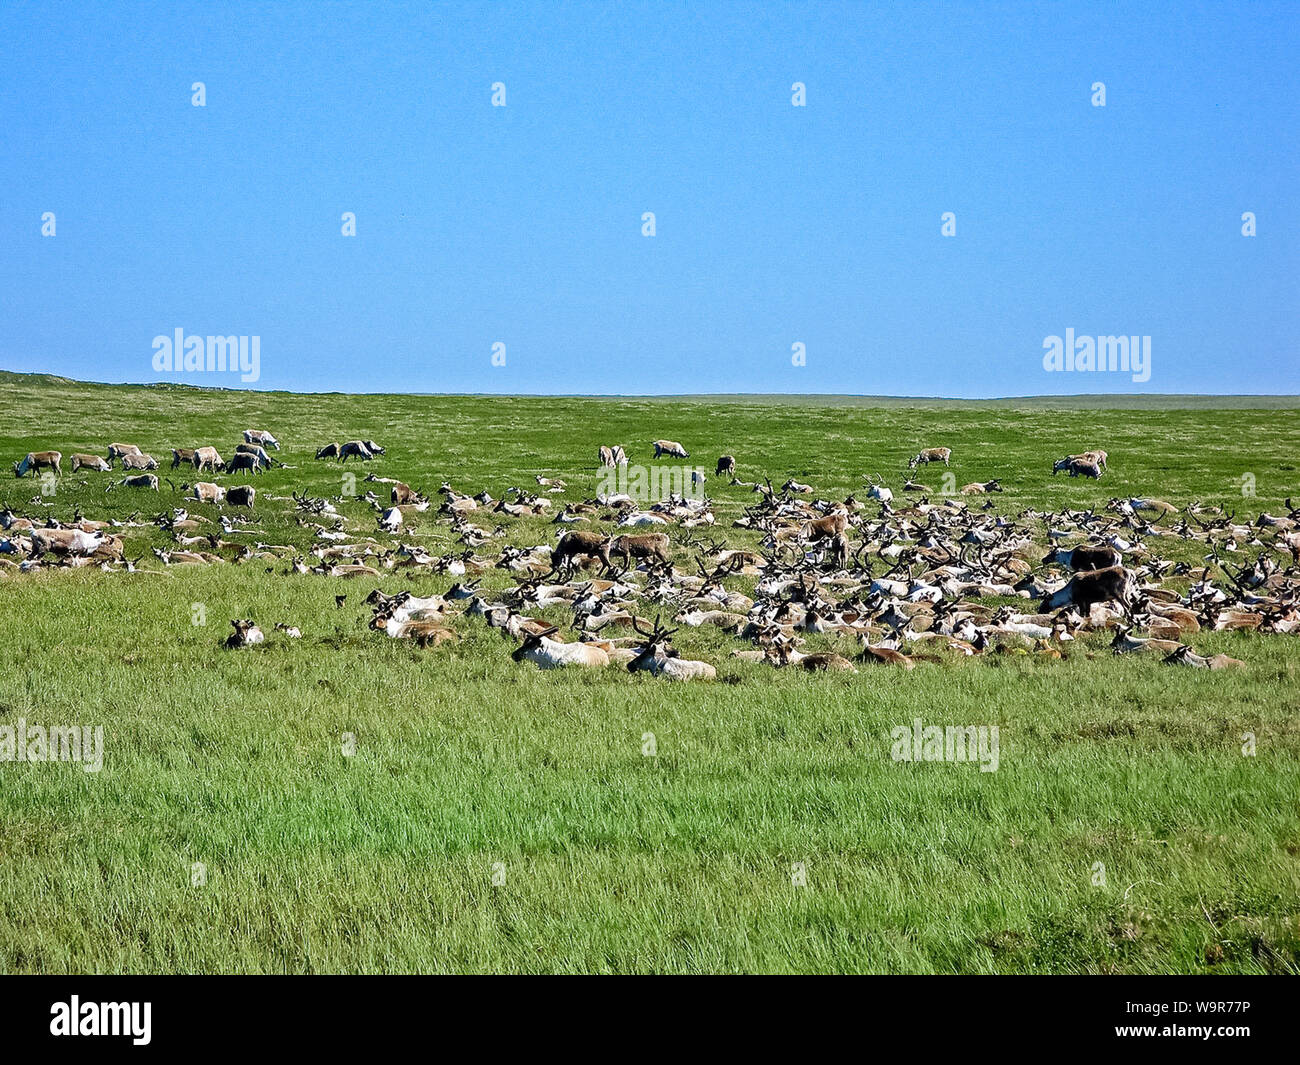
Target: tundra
579,544
928,455
1083,557
139,462
670,447
207,458
644,546
37,460
1088,587
262,437
89,462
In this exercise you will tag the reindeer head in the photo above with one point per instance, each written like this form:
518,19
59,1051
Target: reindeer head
532,641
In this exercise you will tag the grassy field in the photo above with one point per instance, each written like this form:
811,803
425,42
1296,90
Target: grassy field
469,768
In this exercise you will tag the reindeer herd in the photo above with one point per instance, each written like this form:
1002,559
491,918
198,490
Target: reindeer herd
888,582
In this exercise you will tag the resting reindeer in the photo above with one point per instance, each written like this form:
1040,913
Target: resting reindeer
1077,467
545,653
659,660
930,454
39,460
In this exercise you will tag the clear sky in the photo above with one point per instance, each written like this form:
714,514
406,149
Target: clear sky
774,224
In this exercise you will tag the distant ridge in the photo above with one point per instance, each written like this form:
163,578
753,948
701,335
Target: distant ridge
1092,401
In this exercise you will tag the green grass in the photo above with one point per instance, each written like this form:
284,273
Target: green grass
613,861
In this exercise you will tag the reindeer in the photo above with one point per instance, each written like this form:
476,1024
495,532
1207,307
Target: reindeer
545,653
116,451
403,495
241,495
1089,587
979,489
140,480
1084,557
1077,467
206,492
183,455
38,460
207,458
660,660
1185,656
878,491
579,544
355,449
670,447
242,460
727,465
1124,644
261,437
139,462
89,462
645,547
65,542
329,451
928,455
606,456
245,635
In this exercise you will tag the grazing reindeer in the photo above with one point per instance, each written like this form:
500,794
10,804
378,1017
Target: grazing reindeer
206,492
261,437
659,660
578,544
644,547
1083,557
139,462
606,456
89,462
37,460
116,451
727,465
242,460
207,458
355,449
928,455
182,455
329,451
241,495
620,456
1089,587
670,447
545,653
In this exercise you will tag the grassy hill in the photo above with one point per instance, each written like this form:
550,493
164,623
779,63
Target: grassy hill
494,817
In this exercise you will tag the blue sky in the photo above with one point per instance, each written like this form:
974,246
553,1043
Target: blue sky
775,224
